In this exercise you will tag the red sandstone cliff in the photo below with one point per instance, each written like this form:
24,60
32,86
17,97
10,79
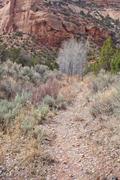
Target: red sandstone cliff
51,21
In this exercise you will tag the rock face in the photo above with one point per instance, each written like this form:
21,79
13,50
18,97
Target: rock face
107,2
51,21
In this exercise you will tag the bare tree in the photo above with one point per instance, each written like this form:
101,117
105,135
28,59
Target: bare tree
72,57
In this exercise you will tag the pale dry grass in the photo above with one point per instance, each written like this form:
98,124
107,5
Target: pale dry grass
70,86
106,95
20,152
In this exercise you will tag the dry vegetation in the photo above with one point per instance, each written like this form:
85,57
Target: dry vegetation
38,106
106,98
87,144
28,97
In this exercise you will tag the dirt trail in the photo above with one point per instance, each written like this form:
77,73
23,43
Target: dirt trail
81,148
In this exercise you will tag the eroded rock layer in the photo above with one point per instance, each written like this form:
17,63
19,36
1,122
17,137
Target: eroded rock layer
53,21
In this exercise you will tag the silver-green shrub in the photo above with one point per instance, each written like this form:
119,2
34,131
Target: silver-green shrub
107,102
103,81
10,109
48,100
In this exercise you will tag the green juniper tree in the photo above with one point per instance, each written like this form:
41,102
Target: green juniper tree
115,63
106,53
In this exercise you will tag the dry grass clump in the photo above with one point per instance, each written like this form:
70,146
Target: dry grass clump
71,86
10,109
106,100
102,81
26,158
50,88
29,118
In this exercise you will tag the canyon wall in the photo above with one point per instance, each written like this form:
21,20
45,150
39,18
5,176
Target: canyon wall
50,23
107,2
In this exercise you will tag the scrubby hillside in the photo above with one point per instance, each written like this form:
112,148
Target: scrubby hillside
41,139
60,124
28,96
59,90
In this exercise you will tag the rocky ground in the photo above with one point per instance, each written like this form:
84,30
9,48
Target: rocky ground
79,147
83,148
